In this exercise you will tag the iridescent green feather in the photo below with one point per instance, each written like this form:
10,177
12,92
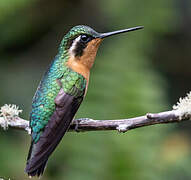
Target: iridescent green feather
43,103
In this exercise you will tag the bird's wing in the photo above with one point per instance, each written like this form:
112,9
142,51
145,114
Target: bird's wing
66,106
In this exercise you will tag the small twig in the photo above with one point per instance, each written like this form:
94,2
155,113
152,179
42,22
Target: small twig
181,112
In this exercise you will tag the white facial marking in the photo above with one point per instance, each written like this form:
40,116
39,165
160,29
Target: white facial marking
73,47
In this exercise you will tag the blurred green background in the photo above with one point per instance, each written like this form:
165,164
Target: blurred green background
135,73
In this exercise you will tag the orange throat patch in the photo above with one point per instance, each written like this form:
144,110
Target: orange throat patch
83,64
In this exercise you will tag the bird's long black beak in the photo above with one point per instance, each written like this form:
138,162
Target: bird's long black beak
104,35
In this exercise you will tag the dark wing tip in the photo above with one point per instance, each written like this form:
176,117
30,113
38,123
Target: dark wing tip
37,172
31,168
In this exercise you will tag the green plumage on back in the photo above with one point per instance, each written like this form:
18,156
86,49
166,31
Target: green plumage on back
43,102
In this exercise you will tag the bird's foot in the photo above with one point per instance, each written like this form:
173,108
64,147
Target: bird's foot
76,123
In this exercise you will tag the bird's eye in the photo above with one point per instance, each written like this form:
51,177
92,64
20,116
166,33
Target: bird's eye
84,38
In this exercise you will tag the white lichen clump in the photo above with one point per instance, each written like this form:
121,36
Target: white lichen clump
183,107
7,114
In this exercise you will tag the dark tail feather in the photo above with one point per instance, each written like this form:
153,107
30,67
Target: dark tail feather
38,171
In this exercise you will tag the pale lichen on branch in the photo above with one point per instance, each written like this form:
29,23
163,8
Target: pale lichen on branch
8,113
9,117
183,107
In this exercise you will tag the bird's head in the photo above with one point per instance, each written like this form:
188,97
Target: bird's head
81,44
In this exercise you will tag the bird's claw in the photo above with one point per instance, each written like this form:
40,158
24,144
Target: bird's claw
76,123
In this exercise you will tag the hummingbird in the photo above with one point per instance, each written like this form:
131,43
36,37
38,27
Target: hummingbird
61,91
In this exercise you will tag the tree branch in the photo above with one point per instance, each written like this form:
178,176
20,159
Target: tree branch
181,112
